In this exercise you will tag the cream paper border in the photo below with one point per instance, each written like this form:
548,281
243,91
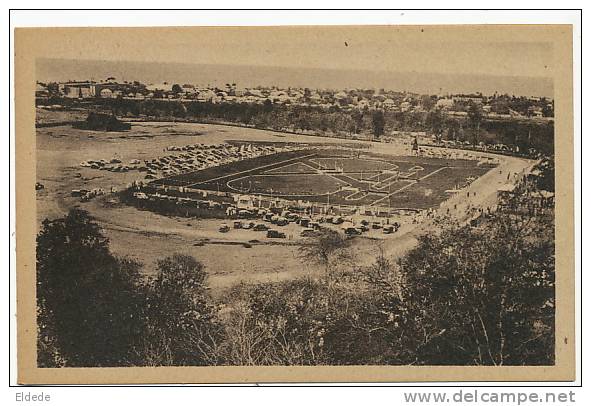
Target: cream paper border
33,42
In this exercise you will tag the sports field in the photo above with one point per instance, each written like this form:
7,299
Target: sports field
339,177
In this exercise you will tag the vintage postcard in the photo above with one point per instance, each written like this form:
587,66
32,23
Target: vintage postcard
295,204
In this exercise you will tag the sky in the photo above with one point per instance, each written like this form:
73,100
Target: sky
343,56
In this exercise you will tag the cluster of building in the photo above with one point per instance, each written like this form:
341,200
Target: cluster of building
360,99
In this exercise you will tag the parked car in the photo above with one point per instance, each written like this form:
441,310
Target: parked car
304,222
293,217
282,221
238,224
260,227
352,231
245,214
363,227
388,229
314,225
224,228
275,234
338,220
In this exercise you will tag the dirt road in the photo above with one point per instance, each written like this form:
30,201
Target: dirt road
149,237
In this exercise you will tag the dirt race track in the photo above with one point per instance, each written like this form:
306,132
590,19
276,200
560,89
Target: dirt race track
149,237
335,177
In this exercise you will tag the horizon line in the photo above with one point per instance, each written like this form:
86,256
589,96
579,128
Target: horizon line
296,68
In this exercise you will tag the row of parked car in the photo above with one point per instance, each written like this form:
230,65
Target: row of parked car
224,228
364,226
113,165
310,226
86,195
271,233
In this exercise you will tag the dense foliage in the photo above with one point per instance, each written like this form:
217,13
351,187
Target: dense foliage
338,121
483,297
102,122
464,296
94,309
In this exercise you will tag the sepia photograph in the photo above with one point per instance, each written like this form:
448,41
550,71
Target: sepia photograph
393,199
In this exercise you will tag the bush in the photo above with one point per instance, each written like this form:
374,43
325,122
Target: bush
465,296
180,322
483,296
88,301
102,122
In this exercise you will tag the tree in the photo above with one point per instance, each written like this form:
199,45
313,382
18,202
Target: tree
483,296
88,303
357,117
329,246
546,179
453,129
181,328
548,110
368,323
475,118
176,88
267,106
177,109
435,121
320,321
427,102
278,324
378,123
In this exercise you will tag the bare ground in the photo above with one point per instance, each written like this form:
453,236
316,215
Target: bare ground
148,237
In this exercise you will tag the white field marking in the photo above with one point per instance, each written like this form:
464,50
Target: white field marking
321,166
410,181
252,169
386,180
340,182
351,198
377,175
319,173
270,173
409,185
407,174
353,179
383,181
348,197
